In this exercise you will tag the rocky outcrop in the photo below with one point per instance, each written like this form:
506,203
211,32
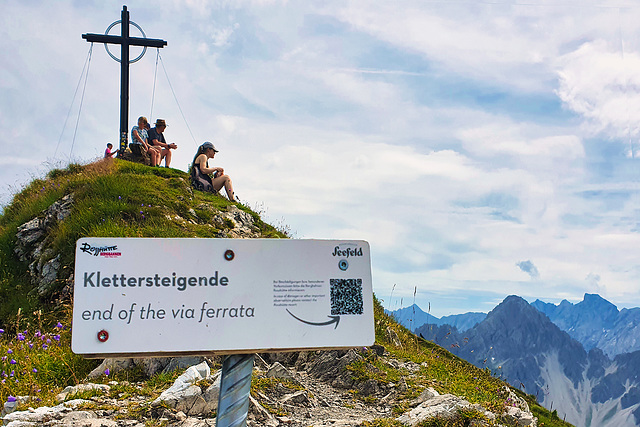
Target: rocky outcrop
236,224
32,245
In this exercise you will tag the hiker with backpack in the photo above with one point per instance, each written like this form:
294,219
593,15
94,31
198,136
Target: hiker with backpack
200,171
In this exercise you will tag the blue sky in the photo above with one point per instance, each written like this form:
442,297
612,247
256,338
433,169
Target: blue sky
482,148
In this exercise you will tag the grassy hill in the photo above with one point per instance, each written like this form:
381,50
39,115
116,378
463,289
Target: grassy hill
122,199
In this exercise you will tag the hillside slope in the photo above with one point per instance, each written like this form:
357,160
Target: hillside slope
399,376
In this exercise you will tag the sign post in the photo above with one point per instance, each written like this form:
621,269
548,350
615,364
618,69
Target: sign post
136,297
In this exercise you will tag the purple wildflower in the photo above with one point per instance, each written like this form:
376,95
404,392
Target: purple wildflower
59,325
20,336
44,346
56,337
107,372
13,361
1,331
9,351
34,370
11,399
38,334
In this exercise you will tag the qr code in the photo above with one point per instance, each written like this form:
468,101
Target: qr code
346,296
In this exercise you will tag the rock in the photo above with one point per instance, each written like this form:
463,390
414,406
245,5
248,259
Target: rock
31,245
236,223
150,365
11,405
514,400
519,417
444,406
72,390
331,366
278,371
258,413
298,398
187,396
427,394
113,365
143,157
393,337
378,349
44,414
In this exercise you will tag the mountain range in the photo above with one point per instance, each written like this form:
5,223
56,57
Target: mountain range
413,317
596,323
519,343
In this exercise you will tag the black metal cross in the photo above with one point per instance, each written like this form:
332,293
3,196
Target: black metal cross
124,41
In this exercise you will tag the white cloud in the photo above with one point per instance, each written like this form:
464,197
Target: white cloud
603,85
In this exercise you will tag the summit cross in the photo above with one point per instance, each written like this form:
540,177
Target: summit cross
124,40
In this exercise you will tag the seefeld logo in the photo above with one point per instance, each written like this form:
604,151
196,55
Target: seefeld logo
105,251
347,252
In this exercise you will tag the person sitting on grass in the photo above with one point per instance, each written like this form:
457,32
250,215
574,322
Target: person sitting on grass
108,154
200,171
156,139
139,142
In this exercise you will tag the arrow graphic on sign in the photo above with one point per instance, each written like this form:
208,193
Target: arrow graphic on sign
334,319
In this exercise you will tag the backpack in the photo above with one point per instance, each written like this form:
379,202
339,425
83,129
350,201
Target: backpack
201,181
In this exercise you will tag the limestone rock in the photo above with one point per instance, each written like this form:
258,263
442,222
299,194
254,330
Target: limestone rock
241,222
31,245
186,394
278,371
519,417
72,390
150,365
428,393
444,406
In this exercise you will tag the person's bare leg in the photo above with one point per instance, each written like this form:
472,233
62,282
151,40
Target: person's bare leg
229,189
167,159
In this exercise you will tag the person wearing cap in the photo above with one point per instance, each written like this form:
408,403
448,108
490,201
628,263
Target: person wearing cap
200,171
156,139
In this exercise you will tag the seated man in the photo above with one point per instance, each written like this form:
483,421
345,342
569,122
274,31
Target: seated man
156,139
139,144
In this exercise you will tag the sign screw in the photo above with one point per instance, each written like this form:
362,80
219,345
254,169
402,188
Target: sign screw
343,264
103,336
229,255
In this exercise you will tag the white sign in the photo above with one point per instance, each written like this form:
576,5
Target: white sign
139,296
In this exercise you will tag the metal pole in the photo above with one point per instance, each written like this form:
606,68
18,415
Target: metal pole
235,388
124,80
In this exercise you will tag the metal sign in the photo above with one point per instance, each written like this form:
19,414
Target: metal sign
139,296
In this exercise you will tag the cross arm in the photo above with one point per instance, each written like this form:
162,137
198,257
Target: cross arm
132,41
